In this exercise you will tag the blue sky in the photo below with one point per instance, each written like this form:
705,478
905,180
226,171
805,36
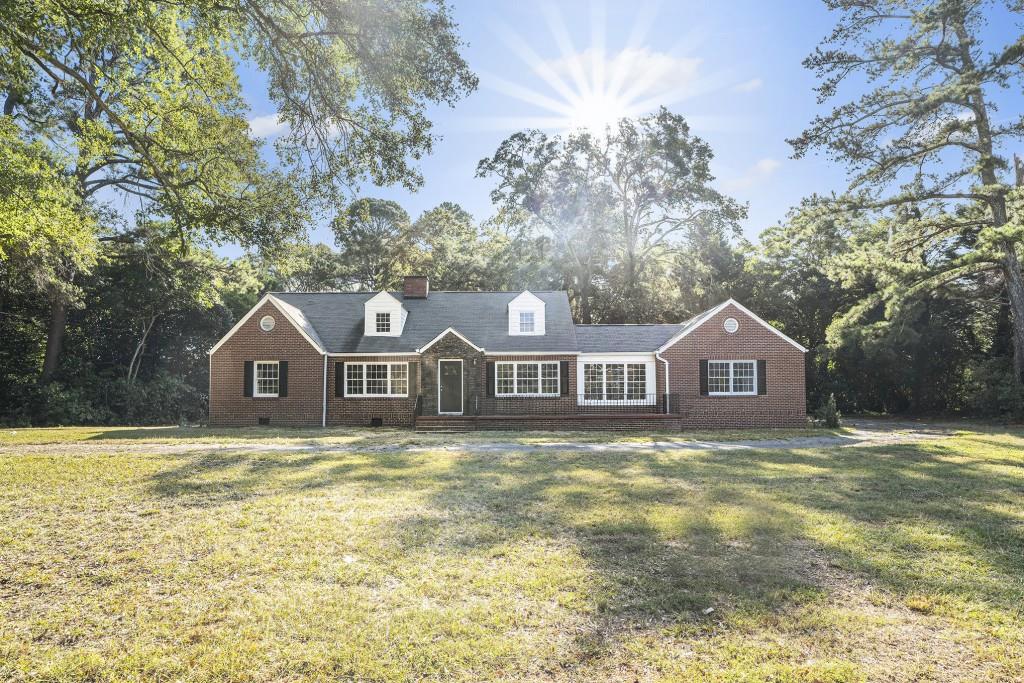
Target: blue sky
733,69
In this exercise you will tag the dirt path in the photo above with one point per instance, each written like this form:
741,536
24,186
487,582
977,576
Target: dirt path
860,433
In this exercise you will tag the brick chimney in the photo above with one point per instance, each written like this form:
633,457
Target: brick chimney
415,287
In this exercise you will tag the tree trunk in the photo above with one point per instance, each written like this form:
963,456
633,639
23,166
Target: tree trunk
54,339
586,315
133,368
1015,291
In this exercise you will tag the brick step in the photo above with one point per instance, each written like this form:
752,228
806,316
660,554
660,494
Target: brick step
443,425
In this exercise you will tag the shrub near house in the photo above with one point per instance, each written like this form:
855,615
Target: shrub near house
497,359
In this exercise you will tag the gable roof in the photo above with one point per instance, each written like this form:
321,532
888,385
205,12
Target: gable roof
450,330
480,317
292,314
526,298
623,338
701,318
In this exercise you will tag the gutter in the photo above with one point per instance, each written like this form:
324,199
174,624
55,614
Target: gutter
323,419
668,392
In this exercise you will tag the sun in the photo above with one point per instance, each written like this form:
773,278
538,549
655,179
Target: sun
596,112
592,88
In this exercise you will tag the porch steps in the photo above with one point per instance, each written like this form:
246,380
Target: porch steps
445,425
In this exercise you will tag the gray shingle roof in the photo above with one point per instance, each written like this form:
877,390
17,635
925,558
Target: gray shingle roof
612,338
482,317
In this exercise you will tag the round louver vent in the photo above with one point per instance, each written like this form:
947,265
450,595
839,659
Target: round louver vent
731,325
267,323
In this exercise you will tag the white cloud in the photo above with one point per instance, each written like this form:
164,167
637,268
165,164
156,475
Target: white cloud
749,86
268,125
759,171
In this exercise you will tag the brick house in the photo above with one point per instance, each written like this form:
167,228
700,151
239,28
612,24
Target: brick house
497,360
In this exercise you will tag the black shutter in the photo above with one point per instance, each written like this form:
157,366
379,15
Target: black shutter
339,379
563,372
762,378
703,378
282,378
247,379
490,379
413,390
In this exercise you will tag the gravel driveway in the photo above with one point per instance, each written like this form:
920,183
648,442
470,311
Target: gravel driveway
860,433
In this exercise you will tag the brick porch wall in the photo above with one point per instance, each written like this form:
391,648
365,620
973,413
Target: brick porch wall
551,405
302,406
359,411
784,404
473,373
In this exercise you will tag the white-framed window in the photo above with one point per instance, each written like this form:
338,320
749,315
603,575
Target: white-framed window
267,323
527,379
526,322
383,323
266,379
615,382
732,378
376,379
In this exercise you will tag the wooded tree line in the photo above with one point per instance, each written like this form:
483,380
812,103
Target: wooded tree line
906,285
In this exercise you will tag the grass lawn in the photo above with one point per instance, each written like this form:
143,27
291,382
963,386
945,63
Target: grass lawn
832,564
11,436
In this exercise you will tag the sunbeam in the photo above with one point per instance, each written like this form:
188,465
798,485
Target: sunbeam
593,87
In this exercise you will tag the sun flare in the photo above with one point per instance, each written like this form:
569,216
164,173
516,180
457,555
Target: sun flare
594,87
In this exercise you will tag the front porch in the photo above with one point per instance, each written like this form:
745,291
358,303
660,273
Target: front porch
652,411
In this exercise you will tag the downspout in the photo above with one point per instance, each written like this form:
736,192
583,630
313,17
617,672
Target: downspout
323,419
668,392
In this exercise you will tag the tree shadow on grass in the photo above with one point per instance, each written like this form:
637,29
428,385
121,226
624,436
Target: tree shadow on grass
668,535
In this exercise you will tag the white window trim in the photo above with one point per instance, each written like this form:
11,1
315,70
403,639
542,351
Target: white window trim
533,322
731,392
377,321
255,379
515,379
650,380
365,395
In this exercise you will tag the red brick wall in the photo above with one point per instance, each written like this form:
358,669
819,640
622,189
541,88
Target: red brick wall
302,406
553,422
497,405
783,405
360,411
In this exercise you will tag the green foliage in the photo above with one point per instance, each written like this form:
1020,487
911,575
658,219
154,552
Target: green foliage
927,152
619,208
991,390
828,414
375,237
46,235
144,102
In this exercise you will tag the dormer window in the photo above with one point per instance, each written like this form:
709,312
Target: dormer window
526,315
384,316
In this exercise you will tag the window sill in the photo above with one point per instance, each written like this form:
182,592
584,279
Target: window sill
374,396
527,396
731,395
